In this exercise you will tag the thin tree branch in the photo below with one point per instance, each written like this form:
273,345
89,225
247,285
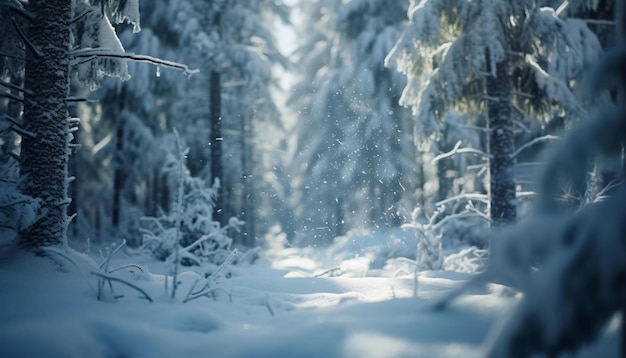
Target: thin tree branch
599,22
456,150
12,96
23,132
469,196
537,140
120,280
81,15
105,52
37,52
14,87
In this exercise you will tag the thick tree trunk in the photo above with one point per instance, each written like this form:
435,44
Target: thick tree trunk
501,145
44,158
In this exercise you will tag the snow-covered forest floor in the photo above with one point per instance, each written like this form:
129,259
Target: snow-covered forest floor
331,301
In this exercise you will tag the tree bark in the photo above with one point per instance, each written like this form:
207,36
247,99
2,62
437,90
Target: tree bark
501,145
44,158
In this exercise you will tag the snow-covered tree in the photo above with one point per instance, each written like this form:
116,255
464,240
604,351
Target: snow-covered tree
502,58
60,36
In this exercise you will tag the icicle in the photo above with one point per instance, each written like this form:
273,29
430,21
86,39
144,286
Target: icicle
158,71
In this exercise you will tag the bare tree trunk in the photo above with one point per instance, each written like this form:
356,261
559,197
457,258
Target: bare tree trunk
501,145
44,157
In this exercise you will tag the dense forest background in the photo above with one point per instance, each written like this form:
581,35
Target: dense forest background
202,131
352,123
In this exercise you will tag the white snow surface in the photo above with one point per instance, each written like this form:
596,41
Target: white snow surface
286,304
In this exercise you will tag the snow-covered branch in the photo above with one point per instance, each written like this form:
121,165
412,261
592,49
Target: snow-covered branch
469,196
537,140
92,53
457,150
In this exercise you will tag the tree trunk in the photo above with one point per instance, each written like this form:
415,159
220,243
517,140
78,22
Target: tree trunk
248,179
44,158
620,19
501,145
217,169
118,174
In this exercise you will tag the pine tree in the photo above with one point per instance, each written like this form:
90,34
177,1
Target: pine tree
62,35
502,58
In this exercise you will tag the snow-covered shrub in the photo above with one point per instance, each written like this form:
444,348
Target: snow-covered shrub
188,230
17,211
429,255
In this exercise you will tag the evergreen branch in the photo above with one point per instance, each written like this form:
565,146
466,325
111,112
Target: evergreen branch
92,53
11,120
537,140
457,150
37,52
14,87
17,128
12,97
110,278
22,132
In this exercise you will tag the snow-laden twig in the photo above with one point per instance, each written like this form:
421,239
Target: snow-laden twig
106,277
205,290
92,53
483,198
458,150
537,140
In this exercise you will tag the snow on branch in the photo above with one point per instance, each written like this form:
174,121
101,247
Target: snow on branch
537,140
457,150
93,53
469,196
